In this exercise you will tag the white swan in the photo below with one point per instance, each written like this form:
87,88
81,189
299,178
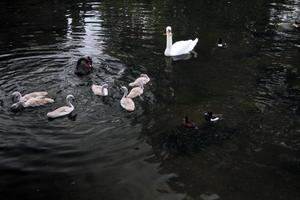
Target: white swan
144,79
136,91
178,48
100,90
126,102
62,111
29,95
33,102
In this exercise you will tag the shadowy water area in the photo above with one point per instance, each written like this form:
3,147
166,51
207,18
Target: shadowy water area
104,152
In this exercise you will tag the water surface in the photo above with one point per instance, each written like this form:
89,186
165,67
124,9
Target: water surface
104,152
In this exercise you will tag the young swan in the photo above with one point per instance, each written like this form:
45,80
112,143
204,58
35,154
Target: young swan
180,47
126,102
144,78
136,91
100,90
62,111
29,95
33,102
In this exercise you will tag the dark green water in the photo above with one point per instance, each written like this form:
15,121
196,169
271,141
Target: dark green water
108,153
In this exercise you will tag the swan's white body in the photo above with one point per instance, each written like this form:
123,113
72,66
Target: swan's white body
37,101
62,111
100,90
33,102
126,102
178,48
136,91
29,95
143,79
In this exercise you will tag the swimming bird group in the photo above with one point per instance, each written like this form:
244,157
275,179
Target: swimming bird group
126,102
35,99
84,66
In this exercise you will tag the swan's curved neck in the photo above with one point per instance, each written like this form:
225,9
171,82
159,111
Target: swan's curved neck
102,89
125,92
19,96
69,103
169,41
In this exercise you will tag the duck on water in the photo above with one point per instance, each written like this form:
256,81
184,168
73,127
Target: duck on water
210,117
221,44
188,124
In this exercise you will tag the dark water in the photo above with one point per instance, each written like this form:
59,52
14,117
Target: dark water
107,153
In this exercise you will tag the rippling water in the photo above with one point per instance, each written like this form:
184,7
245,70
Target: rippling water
104,152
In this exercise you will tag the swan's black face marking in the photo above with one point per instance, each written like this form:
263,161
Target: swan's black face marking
169,30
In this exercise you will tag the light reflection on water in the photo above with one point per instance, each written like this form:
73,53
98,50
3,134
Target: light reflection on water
105,152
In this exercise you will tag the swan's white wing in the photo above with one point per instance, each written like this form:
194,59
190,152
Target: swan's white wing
127,104
96,89
38,101
193,44
183,47
138,82
59,112
134,83
34,95
135,92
